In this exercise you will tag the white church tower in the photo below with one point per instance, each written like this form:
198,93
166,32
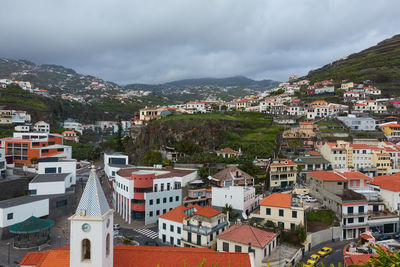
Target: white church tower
91,241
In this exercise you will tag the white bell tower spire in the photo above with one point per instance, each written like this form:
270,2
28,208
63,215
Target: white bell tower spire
91,241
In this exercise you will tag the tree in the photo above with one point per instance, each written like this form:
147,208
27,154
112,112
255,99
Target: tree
152,158
227,208
34,160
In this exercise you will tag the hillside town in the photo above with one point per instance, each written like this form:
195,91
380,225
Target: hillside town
329,190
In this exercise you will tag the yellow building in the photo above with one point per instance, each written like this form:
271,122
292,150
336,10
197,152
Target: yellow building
242,104
381,161
282,209
391,130
282,173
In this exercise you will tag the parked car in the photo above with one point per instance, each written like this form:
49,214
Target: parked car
117,226
311,199
313,260
324,251
302,196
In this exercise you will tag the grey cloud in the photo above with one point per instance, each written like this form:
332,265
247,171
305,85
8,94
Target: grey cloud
157,41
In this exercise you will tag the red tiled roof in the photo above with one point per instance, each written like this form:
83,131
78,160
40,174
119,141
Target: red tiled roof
331,176
388,182
314,153
356,175
282,162
144,256
246,234
207,211
306,123
357,259
178,214
282,200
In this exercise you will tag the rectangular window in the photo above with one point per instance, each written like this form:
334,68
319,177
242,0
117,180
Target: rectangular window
178,230
50,170
171,199
177,198
281,225
294,214
151,202
171,240
350,220
158,201
225,246
178,241
164,211
10,216
61,203
268,211
150,214
164,200
238,248
361,219
281,213
164,226
350,210
157,212
361,209
171,228
292,226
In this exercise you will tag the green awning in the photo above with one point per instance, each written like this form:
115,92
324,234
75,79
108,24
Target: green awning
31,225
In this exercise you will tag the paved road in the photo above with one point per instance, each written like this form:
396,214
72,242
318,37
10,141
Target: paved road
335,257
142,236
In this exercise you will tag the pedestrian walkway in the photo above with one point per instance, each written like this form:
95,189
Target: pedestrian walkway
147,232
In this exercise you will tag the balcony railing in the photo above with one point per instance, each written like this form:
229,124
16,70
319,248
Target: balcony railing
356,214
203,230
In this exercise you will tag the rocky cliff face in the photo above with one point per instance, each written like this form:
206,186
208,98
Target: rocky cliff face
206,133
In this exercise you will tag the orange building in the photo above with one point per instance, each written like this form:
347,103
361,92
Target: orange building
25,146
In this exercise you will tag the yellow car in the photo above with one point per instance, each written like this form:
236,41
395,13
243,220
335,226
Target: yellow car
324,251
313,260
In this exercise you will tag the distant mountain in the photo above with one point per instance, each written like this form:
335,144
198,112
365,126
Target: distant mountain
379,63
236,81
56,79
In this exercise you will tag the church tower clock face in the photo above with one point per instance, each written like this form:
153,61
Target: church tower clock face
86,227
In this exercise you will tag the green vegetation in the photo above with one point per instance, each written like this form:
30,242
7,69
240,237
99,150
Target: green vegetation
380,63
6,131
151,158
332,130
328,123
21,99
324,216
295,236
84,151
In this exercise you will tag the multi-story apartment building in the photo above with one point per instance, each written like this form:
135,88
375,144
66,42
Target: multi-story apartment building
242,199
20,117
242,104
325,110
358,123
245,238
369,106
170,224
200,197
333,189
198,106
283,172
388,187
114,162
25,146
202,228
145,193
391,130
231,176
148,114
41,127
313,161
343,155
71,124
282,209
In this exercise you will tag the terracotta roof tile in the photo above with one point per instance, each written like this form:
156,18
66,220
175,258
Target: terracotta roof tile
282,200
246,234
331,176
356,175
207,211
178,214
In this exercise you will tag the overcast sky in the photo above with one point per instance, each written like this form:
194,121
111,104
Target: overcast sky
153,41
